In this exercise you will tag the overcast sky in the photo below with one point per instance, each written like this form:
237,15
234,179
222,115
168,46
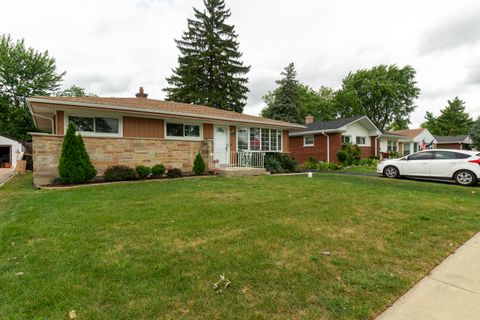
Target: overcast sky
111,47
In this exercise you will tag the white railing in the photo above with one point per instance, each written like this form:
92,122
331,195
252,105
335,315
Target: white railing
240,159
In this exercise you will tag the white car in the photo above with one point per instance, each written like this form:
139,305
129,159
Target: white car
462,166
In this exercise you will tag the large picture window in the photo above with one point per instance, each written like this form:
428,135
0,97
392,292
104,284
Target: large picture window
182,130
99,125
259,139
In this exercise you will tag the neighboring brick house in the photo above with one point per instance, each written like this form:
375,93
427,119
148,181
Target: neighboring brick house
322,140
462,142
141,131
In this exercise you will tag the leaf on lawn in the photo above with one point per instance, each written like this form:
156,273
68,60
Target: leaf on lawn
72,314
19,273
326,253
222,284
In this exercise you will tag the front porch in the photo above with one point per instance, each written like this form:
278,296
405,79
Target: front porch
240,163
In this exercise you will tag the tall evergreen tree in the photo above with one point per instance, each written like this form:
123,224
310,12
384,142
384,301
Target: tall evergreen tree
452,121
209,69
24,72
284,103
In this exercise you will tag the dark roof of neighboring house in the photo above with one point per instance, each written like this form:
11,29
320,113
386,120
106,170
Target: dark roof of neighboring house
160,106
329,125
451,139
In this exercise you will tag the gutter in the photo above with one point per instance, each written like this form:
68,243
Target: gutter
303,133
328,146
114,107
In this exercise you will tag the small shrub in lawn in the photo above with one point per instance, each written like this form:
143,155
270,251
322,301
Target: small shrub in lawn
198,165
120,173
143,172
158,169
279,162
174,173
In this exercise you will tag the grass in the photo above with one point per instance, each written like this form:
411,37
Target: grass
361,169
153,250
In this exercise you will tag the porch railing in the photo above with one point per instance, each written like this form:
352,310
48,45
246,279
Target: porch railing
241,159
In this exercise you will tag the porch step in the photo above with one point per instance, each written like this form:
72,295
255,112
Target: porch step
241,172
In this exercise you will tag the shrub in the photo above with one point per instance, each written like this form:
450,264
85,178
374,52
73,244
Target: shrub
74,165
143,172
329,166
342,156
120,173
198,165
279,162
353,153
158,169
174,173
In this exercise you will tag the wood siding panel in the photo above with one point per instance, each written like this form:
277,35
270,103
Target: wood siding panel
285,140
60,123
207,131
143,128
233,138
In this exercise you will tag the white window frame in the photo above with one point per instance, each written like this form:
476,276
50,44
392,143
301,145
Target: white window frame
361,144
167,137
345,136
269,142
93,115
392,144
305,144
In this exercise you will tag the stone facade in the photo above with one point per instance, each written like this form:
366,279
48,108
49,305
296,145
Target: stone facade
106,152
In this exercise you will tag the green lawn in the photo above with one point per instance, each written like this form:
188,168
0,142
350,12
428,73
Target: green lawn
153,250
362,169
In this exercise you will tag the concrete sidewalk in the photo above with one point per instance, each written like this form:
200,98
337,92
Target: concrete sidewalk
450,291
5,174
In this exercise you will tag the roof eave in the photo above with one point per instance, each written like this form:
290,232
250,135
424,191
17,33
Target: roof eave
130,109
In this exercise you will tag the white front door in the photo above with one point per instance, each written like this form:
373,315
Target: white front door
221,146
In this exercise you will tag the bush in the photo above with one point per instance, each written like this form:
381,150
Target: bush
279,162
143,172
120,173
342,156
74,165
329,166
353,153
198,165
174,173
158,169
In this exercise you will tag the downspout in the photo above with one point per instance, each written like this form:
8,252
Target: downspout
44,117
328,146
376,146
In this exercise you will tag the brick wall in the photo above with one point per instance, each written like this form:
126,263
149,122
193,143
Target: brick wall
105,152
368,152
318,151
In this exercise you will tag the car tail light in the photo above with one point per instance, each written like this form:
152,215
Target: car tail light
477,161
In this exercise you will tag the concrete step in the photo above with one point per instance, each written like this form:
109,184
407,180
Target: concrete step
242,172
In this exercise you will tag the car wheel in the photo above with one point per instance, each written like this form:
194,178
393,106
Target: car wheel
391,172
465,178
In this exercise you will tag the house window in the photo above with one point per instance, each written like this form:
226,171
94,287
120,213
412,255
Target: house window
346,139
415,147
392,146
259,139
406,149
308,141
242,136
181,130
361,140
95,124
265,139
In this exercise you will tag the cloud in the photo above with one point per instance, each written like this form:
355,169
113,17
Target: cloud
474,75
461,31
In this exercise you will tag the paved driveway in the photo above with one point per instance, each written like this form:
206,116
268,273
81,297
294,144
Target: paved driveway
5,174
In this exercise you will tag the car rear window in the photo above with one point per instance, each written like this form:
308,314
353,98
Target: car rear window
462,155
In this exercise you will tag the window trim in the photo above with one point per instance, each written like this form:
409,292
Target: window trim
167,137
305,144
280,149
93,115
361,144
349,137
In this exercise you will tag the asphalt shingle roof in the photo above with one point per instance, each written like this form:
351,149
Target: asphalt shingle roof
446,139
328,125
